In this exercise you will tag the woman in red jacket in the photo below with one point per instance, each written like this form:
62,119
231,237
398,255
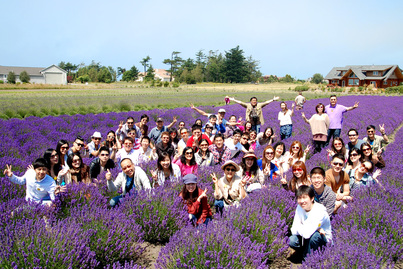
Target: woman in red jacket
196,200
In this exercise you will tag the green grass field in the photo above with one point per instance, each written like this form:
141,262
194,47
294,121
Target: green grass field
103,98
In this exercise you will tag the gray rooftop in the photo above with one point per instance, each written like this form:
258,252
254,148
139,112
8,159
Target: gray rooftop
32,71
359,69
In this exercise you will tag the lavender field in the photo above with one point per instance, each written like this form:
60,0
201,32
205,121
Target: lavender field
82,232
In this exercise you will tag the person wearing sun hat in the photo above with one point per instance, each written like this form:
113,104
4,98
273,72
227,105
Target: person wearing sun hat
196,200
230,188
95,144
251,172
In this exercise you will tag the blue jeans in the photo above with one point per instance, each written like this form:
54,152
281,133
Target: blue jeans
219,206
313,243
193,220
332,133
256,128
116,201
285,131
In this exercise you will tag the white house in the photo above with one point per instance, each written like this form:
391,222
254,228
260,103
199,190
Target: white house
39,75
159,74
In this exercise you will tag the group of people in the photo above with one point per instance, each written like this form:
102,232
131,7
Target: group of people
180,153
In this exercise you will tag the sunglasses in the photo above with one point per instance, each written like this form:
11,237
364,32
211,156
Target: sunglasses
80,144
184,133
64,147
97,138
338,164
204,145
53,156
76,160
111,136
104,154
130,122
352,135
354,154
128,144
297,170
269,153
366,149
230,169
189,152
337,144
370,132
295,147
366,168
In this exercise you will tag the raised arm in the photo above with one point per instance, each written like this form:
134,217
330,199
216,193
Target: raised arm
201,112
292,109
353,107
303,116
238,102
383,132
275,98
172,123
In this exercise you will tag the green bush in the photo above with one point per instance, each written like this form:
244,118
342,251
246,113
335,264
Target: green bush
175,84
302,88
1,82
159,84
166,84
396,89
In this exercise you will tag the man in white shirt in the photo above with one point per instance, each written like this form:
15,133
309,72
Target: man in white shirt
234,144
127,151
299,101
311,227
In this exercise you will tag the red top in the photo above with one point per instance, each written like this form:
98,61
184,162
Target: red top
200,209
190,141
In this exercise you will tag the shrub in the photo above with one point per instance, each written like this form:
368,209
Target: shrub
166,84
1,81
396,89
302,88
84,78
175,84
11,77
24,77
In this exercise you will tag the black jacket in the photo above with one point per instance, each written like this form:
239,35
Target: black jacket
95,167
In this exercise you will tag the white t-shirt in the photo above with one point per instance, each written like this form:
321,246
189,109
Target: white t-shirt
285,119
234,148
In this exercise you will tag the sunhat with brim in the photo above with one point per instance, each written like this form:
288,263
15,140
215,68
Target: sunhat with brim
250,154
221,110
189,178
229,162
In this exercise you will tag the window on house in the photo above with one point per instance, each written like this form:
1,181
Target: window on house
375,73
352,75
385,82
391,83
353,82
373,83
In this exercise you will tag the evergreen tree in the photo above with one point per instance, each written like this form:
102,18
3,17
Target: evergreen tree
11,77
24,77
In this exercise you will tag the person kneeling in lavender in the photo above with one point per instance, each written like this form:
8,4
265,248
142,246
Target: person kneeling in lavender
131,179
311,227
40,186
196,201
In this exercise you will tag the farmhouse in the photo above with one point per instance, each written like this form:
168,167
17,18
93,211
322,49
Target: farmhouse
159,74
380,76
39,75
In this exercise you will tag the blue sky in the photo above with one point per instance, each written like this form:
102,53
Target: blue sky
293,37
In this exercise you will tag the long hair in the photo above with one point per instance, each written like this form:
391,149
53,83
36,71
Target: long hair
107,143
57,167
82,174
304,178
286,108
351,152
264,159
264,133
207,151
176,138
60,143
253,169
343,146
183,157
161,158
300,152
278,144
365,144
244,126
190,197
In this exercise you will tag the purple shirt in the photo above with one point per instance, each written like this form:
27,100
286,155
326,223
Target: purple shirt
335,115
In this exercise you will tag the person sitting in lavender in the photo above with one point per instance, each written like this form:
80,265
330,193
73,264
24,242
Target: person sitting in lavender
142,126
101,163
221,153
131,179
40,187
95,144
127,151
311,227
377,142
145,152
323,193
124,128
354,141
360,176
79,147
155,133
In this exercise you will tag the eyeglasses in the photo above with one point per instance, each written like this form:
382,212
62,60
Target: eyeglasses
295,147
269,153
351,135
188,152
338,164
338,144
204,145
64,147
298,170
76,160
104,154
79,144
128,144
111,136
53,156
230,169
354,154
366,149
131,133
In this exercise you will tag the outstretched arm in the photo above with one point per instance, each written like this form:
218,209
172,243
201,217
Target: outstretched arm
269,101
172,123
238,102
303,116
353,107
201,112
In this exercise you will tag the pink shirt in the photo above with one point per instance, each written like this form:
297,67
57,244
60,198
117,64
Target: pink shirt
186,169
335,115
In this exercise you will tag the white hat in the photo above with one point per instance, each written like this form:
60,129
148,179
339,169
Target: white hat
221,110
96,135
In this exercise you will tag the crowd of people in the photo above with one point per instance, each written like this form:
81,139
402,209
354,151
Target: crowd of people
180,153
